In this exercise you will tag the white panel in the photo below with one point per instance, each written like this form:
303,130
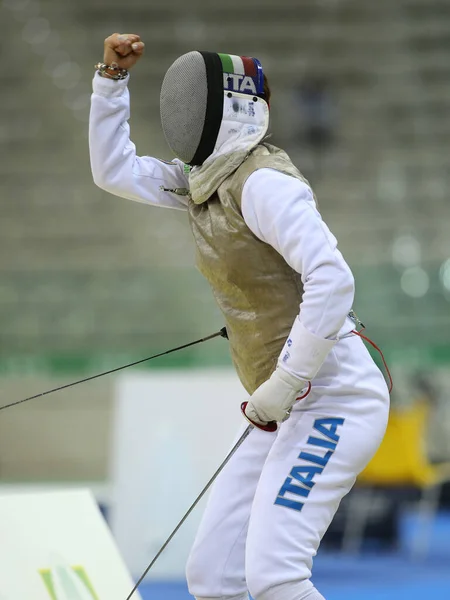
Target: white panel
172,430
62,539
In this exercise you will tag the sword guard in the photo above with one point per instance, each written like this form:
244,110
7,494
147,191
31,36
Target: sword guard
271,426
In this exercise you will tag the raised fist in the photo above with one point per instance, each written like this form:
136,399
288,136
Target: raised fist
123,50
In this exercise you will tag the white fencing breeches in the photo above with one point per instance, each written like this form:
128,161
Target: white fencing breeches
277,496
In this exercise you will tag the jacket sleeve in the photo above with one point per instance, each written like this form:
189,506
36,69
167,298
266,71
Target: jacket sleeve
280,210
115,166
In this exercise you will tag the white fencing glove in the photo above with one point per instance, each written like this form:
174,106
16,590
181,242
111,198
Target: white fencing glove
272,402
301,358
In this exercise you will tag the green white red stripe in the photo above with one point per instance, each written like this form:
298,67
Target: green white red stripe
243,67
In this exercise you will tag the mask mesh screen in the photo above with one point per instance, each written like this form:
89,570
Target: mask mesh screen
184,95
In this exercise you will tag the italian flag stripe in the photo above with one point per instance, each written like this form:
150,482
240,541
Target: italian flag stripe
249,66
238,65
227,63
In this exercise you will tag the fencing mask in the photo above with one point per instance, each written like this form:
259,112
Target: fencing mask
192,99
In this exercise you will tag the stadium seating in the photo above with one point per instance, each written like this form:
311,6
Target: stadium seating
84,273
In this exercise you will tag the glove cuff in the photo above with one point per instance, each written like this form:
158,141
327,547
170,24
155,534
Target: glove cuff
289,379
304,352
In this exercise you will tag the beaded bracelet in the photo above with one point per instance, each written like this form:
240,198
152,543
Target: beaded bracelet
102,70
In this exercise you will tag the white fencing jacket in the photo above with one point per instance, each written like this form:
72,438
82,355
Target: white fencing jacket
297,231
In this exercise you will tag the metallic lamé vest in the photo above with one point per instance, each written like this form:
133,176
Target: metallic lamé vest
257,291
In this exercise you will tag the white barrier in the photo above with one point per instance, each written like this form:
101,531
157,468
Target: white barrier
57,546
172,430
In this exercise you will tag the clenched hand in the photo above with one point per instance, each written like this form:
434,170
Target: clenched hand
123,50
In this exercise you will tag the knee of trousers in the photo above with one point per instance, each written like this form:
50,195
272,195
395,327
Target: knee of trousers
292,590
206,583
197,576
239,597
218,575
277,583
202,577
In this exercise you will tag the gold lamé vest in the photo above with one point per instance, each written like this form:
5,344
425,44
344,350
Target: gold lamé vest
257,291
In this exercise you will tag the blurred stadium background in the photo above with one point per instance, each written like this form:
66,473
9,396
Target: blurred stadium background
361,97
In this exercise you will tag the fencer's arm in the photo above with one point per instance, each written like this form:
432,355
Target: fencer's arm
115,166
280,210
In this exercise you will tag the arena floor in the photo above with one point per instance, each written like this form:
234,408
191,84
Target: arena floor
343,578
367,577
